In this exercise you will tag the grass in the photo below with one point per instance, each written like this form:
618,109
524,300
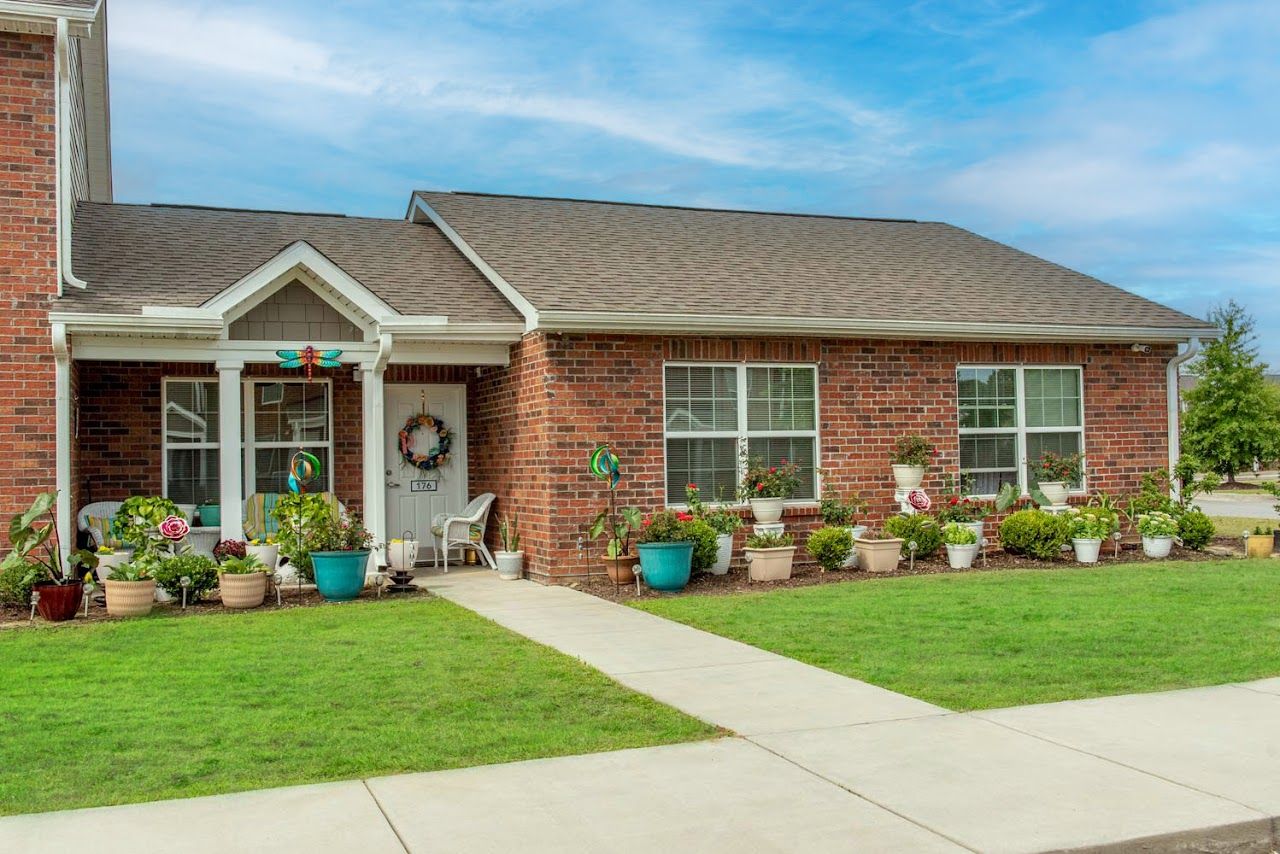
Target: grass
1233,526
176,707
991,639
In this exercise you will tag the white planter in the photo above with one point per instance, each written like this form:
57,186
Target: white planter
767,509
977,528
1087,550
908,477
510,565
404,554
268,554
1056,491
851,562
106,563
724,554
1156,546
961,557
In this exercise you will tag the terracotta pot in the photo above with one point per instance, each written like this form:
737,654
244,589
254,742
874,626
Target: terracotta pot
622,570
1260,545
1056,491
907,477
247,590
770,564
58,602
878,555
767,510
130,598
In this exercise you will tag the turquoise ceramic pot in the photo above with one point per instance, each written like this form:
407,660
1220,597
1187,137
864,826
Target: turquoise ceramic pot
666,566
210,515
340,575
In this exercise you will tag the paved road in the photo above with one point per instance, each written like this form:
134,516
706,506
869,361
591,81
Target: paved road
1239,505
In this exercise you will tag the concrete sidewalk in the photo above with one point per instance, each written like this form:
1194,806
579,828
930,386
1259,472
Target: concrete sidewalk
823,763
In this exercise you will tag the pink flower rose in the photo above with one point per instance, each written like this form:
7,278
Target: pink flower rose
174,528
919,500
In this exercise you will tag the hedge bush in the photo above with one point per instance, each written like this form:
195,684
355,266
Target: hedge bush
14,588
202,571
1035,533
830,547
919,527
1195,529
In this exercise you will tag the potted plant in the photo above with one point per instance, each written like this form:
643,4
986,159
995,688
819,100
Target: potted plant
1158,530
830,547
130,587
36,550
200,572
724,522
110,555
339,552
766,488
911,457
878,554
769,556
139,517
402,553
1088,530
619,524
838,512
243,581
297,516
962,544
266,550
671,545
1054,475
1260,542
209,513
229,548
510,558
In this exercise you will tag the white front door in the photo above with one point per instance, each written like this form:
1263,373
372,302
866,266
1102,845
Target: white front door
414,496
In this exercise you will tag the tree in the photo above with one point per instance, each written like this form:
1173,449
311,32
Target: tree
1233,413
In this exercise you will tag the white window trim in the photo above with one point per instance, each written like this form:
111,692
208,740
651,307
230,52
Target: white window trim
742,435
1021,431
165,445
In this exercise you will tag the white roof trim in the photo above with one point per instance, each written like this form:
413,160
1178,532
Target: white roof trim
517,299
190,323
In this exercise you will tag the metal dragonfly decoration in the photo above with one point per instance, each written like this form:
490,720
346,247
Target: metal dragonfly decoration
309,357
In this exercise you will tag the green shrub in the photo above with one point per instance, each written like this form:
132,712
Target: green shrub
1195,529
15,584
668,526
830,547
705,544
769,541
1034,533
920,528
202,571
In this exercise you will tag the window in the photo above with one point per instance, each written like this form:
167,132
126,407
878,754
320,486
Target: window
1010,416
190,439
279,417
712,412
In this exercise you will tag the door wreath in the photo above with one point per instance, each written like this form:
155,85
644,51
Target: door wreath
434,458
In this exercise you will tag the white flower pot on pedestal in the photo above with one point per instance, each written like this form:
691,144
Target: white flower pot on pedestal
510,565
724,554
1055,490
766,509
1087,550
961,557
1157,547
908,477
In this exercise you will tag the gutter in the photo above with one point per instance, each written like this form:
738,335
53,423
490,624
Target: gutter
1171,399
65,204
62,436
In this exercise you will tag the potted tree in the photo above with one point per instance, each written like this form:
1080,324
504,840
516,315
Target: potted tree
766,488
242,581
962,544
911,457
1158,530
619,525
36,542
878,554
339,552
724,522
671,546
769,557
1054,475
838,512
830,547
1088,530
510,559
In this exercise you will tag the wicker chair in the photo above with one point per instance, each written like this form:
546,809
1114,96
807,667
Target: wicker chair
464,530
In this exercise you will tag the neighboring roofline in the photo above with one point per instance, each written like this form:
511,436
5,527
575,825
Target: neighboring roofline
518,301
47,12
598,321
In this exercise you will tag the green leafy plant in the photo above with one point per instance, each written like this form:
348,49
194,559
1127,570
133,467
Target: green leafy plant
830,547
298,516
35,553
1157,524
341,535
1052,468
769,541
913,450
140,568
1195,530
958,534
1088,525
139,516
838,512
15,584
619,524
919,528
721,520
1034,533
761,480
1263,530
669,526
246,565
202,571
509,533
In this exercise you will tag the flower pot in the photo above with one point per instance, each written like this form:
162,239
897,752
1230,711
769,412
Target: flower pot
961,557
770,564
107,563
622,569
1259,545
404,554
268,554
977,528
766,509
878,555
210,515
851,562
58,602
510,564
130,598
246,590
666,566
1055,491
1156,546
340,575
1086,550
908,477
724,554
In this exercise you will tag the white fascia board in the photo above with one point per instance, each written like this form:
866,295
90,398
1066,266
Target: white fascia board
140,349
497,332
450,353
49,10
513,296
176,323
584,321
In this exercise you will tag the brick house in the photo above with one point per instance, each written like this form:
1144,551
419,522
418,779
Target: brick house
140,350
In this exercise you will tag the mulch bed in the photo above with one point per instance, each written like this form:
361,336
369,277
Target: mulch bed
808,574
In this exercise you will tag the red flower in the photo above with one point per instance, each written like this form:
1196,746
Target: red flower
691,486
685,517
773,471
955,501
759,487
646,523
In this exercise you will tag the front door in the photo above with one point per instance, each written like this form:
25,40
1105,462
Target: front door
414,496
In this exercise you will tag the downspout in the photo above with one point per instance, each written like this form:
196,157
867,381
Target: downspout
65,205
62,438
1173,396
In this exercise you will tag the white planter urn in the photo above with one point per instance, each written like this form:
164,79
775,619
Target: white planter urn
1055,490
1157,547
1086,550
107,563
977,528
766,510
724,554
851,562
510,565
908,477
402,554
268,554
961,557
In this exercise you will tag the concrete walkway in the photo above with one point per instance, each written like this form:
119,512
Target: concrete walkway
821,763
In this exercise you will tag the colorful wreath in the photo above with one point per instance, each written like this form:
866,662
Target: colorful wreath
434,458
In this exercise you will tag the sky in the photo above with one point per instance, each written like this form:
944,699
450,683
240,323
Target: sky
1135,141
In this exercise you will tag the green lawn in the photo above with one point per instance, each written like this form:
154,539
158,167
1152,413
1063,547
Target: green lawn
1233,526
174,707
990,639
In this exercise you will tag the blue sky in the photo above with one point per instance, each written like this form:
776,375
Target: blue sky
1138,142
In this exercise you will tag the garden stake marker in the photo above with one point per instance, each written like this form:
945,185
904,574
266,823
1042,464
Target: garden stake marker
35,597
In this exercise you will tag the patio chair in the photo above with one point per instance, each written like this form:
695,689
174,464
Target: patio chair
98,521
464,530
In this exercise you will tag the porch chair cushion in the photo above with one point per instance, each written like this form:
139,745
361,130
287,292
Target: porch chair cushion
98,520
477,531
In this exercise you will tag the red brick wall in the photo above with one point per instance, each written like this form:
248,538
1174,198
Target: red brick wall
28,268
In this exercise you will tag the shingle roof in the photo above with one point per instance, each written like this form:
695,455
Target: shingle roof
575,255
135,255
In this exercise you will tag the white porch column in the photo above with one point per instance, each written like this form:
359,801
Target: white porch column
231,454
63,439
375,516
